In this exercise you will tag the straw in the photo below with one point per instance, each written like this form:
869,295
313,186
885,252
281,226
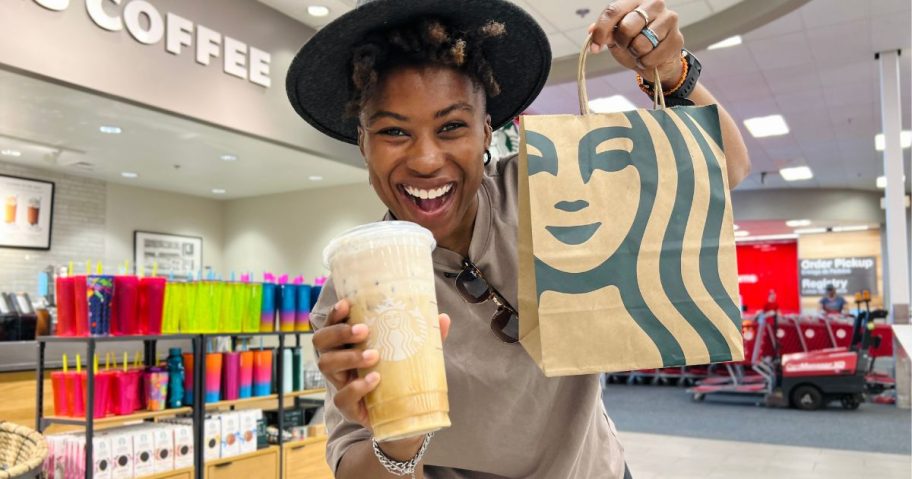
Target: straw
88,267
125,362
154,269
78,364
99,268
65,365
107,361
70,269
95,363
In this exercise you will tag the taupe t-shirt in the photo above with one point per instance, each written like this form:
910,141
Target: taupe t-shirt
508,419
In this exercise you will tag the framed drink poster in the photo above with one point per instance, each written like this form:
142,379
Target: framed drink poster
28,212
172,255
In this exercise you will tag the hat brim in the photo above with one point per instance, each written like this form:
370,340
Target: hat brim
319,84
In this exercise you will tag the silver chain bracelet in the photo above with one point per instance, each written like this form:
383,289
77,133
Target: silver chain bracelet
401,468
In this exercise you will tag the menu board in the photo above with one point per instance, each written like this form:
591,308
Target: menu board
27,213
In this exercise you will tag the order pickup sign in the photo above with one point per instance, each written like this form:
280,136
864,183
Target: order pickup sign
848,274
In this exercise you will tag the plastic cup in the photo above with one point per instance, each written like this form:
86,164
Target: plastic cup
66,321
213,377
262,372
245,383
231,375
252,307
156,386
103,384
151,305
125,310
125,392
80,306
386,273
58,384
75,393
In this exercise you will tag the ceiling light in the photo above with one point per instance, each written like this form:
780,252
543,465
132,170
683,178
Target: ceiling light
129,174
315,178
797,223
728,42
882,181
741,234
228,157
111,130
13,153
810,231
763,126
905,139
218,191
796,173
317,11
778,237
611,104
844,229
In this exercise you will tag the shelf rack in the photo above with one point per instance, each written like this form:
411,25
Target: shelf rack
197,409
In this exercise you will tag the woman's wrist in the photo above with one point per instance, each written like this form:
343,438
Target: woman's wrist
403,449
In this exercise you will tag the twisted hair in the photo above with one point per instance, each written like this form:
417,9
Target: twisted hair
426,42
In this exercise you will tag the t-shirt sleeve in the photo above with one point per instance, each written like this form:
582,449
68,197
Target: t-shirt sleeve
343,434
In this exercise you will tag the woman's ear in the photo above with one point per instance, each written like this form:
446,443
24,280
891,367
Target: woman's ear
361,142
489,131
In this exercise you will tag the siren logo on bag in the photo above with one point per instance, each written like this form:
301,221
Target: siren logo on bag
399,332
626,214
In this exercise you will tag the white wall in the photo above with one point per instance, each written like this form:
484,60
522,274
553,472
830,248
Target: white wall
130,209
286,233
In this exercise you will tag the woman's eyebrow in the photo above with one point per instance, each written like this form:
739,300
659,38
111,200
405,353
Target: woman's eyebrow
386,114
455,106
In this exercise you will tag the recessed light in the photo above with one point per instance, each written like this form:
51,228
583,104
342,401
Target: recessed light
810,231
317,11
741,234
315,178
763,126
728,42
845,229
778,237
129,174
797,223
228,157
905,139
13,153
218,191
796,174
611,104
111,130
882,181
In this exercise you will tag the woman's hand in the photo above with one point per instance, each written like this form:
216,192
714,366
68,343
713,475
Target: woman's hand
340,358
619,28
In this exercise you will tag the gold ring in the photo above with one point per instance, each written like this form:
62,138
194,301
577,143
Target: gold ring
643,14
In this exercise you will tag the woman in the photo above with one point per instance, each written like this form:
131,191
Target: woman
419,87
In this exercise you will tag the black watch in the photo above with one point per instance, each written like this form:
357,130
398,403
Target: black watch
680,96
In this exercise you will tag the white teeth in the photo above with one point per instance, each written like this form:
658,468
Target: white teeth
428,194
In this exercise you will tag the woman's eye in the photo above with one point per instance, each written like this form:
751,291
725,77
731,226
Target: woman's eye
392,132
452,126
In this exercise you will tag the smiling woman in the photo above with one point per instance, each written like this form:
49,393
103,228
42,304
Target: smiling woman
419,86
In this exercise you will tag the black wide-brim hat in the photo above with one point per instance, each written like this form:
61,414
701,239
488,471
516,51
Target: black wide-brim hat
319,81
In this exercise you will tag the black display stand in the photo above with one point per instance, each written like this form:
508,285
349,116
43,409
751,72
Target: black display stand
197,409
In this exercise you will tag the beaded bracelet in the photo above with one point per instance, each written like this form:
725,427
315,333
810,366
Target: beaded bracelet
647,87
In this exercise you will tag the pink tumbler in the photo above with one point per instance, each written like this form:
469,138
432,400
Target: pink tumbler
245,388
75,391
61,404
151,305
66,323
103,384
80,306
231,375
125,309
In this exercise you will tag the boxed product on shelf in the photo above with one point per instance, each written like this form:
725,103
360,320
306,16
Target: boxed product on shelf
212,438
163,441
229,422
183,445
121,454
143,450
249,419
293,417
101,456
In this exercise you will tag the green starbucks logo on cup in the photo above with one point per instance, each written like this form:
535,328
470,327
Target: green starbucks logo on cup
398,332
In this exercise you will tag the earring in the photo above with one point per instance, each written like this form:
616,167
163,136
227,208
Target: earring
487,156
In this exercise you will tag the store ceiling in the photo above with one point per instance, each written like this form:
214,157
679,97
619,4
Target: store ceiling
56,127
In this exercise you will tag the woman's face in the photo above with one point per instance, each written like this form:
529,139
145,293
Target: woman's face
423,136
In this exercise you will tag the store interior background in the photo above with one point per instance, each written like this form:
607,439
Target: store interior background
226,160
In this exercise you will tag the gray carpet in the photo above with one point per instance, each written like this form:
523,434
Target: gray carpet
670,410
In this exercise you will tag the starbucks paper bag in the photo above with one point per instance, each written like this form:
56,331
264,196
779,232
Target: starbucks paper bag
626,244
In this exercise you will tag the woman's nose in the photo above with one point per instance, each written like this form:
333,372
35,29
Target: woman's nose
426,157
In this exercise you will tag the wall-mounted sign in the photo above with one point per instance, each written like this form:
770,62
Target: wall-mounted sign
28,207
848,274
147,25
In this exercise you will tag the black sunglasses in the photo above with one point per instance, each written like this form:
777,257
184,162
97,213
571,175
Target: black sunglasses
474,289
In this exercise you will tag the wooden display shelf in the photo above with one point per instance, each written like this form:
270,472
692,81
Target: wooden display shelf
236,403
263,463
306,459
101,421
183,473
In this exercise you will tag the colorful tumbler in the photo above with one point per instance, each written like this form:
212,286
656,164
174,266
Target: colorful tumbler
103,384
302,314
188,379
66,321
100,291
253,307
126,392
287,310
75,392
262,372
283,385
61,403
80,306
151,305
125,308
245,388
231,375
156,387
268,309
213,377
297,359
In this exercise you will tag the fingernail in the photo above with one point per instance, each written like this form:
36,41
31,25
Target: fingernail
359,329
594,48
372,378
337,305
369,354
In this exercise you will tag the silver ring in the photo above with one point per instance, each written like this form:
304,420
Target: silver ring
642,14
651,36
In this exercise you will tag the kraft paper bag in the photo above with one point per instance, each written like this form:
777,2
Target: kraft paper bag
626,243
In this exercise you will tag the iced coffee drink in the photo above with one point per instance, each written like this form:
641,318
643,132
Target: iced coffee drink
34,210
12,202
385,271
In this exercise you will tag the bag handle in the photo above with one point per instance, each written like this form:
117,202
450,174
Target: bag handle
658,96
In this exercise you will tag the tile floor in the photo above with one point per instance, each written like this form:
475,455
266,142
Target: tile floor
652,456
